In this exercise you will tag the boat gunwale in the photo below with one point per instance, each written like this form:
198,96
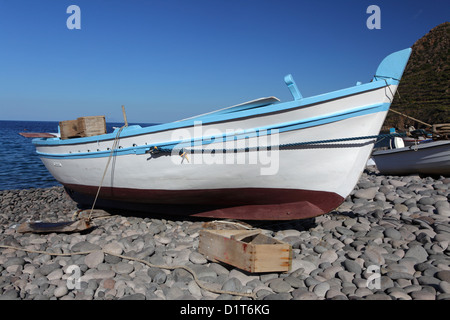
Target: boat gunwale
248,133
234,116
415,148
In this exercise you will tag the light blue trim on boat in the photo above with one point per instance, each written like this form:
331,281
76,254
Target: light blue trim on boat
207,119
393,65
289,80
283,127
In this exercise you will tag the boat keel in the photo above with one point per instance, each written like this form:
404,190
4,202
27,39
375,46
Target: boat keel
240,204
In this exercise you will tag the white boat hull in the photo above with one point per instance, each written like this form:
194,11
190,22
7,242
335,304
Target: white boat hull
304,174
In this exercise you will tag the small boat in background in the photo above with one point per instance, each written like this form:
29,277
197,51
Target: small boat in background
260,160
431,158
416,136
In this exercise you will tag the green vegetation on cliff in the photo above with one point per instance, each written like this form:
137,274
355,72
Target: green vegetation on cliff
424,91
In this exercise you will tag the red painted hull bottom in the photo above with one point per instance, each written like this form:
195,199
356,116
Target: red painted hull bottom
237,203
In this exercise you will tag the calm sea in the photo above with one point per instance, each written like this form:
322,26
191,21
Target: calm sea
20,167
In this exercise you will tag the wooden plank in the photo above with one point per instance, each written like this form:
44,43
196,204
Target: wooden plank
37,135
48,227
438,125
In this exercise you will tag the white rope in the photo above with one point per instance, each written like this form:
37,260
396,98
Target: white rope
114,147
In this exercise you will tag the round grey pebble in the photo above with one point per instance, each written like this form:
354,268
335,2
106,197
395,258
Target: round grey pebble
418,253
443,275
352,266
197,258
60,291
321,289
392,233
123,268
232,284
279,285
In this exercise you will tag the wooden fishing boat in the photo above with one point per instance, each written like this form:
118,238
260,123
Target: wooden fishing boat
263,160
430,158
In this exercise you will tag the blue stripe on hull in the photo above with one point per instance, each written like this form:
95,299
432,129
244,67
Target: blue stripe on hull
254,132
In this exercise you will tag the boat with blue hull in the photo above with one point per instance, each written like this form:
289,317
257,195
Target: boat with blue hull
260,160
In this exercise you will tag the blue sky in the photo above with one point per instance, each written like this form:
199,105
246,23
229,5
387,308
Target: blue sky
170,59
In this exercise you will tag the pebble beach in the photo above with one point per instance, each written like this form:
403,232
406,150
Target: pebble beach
389,240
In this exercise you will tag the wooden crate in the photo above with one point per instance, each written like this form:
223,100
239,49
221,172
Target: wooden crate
91,126
249,250
69,129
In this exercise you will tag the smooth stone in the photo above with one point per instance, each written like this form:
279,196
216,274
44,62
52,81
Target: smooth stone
330,272
243,277
306,265
400,295
329,256
335,294
55,275
84,246
444,286
373,257
109,283
401,208
16,261
163,240
352,266
377,296
93,259
233,285
294,282
264,277
422,295
367,194
397,183
443,211
392,233
277,296
60,291
114,247
443,275
203,271
345,276
386,282
11,294
395,275
428,280
48,268
197,258
123,268
427,201
363,292
344,231
279,285
306,296
321,289
97,274
194,289
418,253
